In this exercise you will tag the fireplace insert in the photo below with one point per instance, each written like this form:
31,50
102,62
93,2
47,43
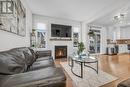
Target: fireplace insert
60,52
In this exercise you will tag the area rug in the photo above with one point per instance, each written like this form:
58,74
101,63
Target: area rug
90,77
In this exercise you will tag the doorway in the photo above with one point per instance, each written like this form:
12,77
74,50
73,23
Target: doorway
94,42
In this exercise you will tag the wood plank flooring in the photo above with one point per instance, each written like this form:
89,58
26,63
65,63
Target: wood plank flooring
117,65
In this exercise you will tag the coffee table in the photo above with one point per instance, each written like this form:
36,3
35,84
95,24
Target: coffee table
82,61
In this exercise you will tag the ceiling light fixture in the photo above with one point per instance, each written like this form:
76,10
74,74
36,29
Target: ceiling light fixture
120,18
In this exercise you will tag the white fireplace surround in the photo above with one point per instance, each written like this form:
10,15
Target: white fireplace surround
69,45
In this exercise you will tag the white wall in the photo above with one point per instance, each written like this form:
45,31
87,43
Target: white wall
48,21
10,40
103,40
125,32
84,35
113,32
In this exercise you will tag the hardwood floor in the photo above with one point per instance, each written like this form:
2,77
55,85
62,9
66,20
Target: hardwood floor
117,65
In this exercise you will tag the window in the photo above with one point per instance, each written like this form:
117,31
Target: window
76,30
41,26
75,36
41,35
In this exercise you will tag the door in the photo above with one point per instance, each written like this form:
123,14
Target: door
94,42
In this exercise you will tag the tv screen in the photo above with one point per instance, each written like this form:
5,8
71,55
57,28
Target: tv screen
60,30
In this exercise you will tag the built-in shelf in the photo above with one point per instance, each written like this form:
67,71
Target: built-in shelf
62,39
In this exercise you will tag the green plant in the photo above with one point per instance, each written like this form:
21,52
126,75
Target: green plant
91,33
81,47
33,30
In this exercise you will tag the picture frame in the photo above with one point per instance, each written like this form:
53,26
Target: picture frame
13,17
75,39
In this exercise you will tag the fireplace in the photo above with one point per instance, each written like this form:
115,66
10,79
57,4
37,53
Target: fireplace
60,52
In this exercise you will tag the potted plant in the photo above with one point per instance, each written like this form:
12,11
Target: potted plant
91,33
33,32
81,48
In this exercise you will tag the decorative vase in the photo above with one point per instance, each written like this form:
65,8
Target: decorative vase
80,55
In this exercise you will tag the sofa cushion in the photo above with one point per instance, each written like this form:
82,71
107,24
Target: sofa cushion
17,53
11,64
44,53
44,58
41,64
29,57
39,78
33,53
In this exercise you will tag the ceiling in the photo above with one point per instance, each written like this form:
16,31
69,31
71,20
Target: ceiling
79,10
108,20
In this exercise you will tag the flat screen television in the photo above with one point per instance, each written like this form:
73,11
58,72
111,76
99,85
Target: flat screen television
58,30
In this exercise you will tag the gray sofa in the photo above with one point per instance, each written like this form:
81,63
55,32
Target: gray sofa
22,67
125,83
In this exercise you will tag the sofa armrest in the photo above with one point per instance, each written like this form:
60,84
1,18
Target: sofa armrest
45,53
39,78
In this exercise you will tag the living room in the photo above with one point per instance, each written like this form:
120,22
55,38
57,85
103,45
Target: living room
64,43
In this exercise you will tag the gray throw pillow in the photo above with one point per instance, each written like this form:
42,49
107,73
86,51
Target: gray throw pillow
33,54
28,58
10,64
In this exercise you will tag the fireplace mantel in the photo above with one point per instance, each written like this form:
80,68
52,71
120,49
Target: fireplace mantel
62,39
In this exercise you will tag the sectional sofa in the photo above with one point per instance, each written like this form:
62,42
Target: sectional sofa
23,67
